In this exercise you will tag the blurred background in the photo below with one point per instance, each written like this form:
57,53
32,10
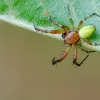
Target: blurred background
26,72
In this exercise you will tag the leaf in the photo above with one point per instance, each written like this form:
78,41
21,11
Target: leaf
24,12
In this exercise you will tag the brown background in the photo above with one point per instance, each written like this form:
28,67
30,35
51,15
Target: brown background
26,72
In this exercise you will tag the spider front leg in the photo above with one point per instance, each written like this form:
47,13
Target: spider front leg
62,57
75,56
70,18
49,31
62,26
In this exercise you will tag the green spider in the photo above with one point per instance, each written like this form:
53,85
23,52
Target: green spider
73,36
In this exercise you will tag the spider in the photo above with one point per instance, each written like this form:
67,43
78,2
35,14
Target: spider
73,36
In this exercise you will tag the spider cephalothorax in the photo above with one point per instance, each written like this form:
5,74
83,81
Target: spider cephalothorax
72,36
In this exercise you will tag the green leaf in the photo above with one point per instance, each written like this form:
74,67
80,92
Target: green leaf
24,12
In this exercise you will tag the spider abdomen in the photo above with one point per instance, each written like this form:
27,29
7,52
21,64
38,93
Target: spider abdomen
72,37
87,31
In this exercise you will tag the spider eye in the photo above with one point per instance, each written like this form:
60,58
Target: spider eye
87,31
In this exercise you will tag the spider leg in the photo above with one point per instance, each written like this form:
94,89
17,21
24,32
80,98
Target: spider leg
81,22
70,17
49,31
75,56
62,57
62,26
90,43
86,50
